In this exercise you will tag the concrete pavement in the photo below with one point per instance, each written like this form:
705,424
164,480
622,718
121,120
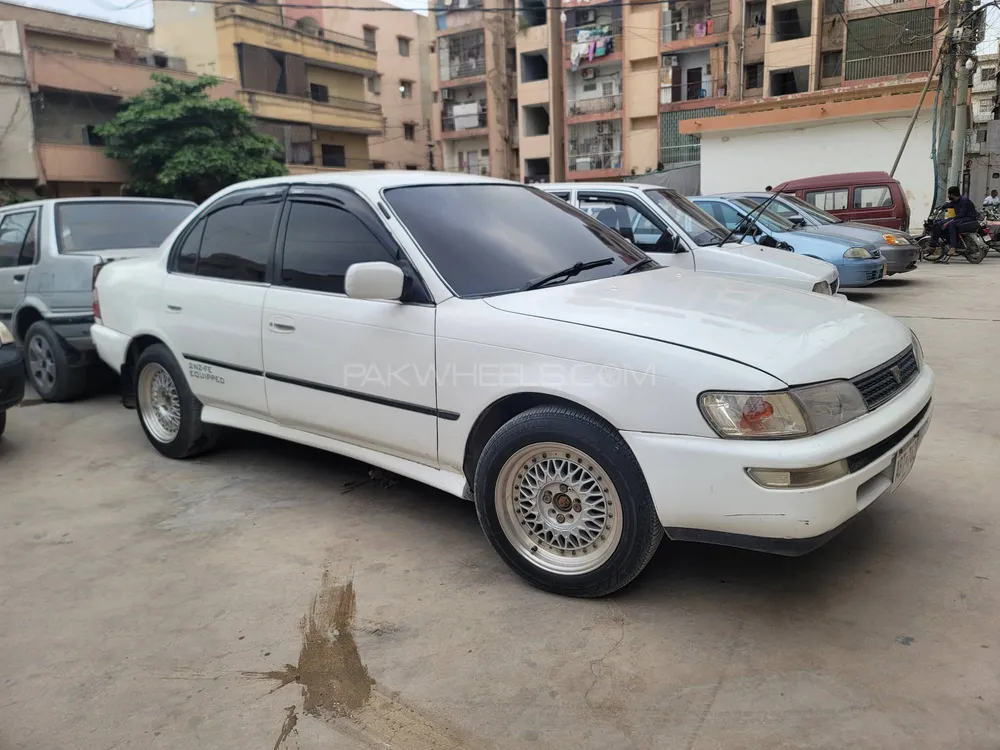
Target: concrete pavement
255,598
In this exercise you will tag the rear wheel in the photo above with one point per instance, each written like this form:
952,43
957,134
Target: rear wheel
563,501
49,370
975,250
169,413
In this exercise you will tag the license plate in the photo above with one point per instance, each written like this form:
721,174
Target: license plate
885,269
905,459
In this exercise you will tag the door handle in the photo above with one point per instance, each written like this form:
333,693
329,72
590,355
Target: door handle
281,325
18,277
174,308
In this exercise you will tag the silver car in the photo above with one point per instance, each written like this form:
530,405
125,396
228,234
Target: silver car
50,251
898,248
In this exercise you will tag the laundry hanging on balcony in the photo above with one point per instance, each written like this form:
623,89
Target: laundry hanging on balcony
466,116
591,43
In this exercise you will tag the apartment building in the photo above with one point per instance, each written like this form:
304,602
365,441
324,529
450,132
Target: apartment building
983,166
475,108
402,86
64,76
303,83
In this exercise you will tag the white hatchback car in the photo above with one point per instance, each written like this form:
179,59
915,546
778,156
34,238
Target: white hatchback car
678,234
493,342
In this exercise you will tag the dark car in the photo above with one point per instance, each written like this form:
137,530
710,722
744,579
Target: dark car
869,197
11,375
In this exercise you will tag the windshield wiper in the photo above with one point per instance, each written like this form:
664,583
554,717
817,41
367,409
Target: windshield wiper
573,270
636,266
749,219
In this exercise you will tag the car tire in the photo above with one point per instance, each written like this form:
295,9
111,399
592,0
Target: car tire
583,523
48,368
169,413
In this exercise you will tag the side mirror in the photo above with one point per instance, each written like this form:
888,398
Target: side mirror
379,280
797,220
667,243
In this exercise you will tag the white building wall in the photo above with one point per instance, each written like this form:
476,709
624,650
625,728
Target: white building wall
752,160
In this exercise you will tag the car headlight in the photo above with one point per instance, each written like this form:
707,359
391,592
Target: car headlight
783,414
858,252
822,287
918,351
891,239
6,337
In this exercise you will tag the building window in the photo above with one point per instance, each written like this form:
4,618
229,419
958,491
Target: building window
378,165
832,63
435,97
369,37
319,92
792,22
411,166
988,74
375,84
409,131
985,107
406,89
333,156
90,136
754,76
404,46
790,81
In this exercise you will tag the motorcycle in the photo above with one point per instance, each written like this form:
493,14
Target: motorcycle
991,224
973,244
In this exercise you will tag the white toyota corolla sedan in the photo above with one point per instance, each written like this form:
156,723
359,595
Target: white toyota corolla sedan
494,342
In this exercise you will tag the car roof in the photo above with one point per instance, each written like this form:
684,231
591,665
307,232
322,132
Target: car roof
93,199
590,186
836,180
373,180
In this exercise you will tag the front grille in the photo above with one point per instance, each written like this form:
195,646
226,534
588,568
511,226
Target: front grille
873,275
885,381
869,455
835,285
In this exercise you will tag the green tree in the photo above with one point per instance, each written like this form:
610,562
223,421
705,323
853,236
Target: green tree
179,143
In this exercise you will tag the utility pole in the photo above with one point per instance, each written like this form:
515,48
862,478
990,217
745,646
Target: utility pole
947,111
963,34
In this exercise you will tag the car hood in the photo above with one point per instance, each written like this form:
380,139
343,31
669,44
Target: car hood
797,337
782,261
865,232
830,233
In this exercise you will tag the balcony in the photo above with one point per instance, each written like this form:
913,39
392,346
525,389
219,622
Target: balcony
461,56
676,86
693,27
465,125
66,163
853,5
888,65
481,168
590,42
97,75
595,162
594,105
594,147
456,15
337,114
264,26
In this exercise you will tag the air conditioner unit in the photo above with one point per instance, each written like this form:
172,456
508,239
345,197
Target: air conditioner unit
447,95
589,16
588,74
674,61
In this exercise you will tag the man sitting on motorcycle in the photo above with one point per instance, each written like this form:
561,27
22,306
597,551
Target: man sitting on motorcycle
964,219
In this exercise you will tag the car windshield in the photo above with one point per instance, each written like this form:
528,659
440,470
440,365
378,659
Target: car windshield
702,228
116,225
771,221
487,239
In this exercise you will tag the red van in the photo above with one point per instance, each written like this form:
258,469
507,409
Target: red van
871,197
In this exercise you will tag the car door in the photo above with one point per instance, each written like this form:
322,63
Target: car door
213,298
356,370
873,204
637,223
18,244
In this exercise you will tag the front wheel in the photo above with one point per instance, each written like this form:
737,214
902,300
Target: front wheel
975,250
563,501
169,413
927,250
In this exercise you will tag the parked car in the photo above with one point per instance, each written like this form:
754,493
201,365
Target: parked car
859,263
669,227
587,399
898,248
48,252
869,197
11,375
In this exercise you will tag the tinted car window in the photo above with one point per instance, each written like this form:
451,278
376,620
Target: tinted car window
699,226
116,225
768,219
490,239
321,243
13,231
237,242
187,256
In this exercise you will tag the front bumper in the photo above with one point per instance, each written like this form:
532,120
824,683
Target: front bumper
701,489
11,377
858,272
900,258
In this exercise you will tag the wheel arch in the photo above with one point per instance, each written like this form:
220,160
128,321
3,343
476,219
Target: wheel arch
27,315
504,409
136,347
